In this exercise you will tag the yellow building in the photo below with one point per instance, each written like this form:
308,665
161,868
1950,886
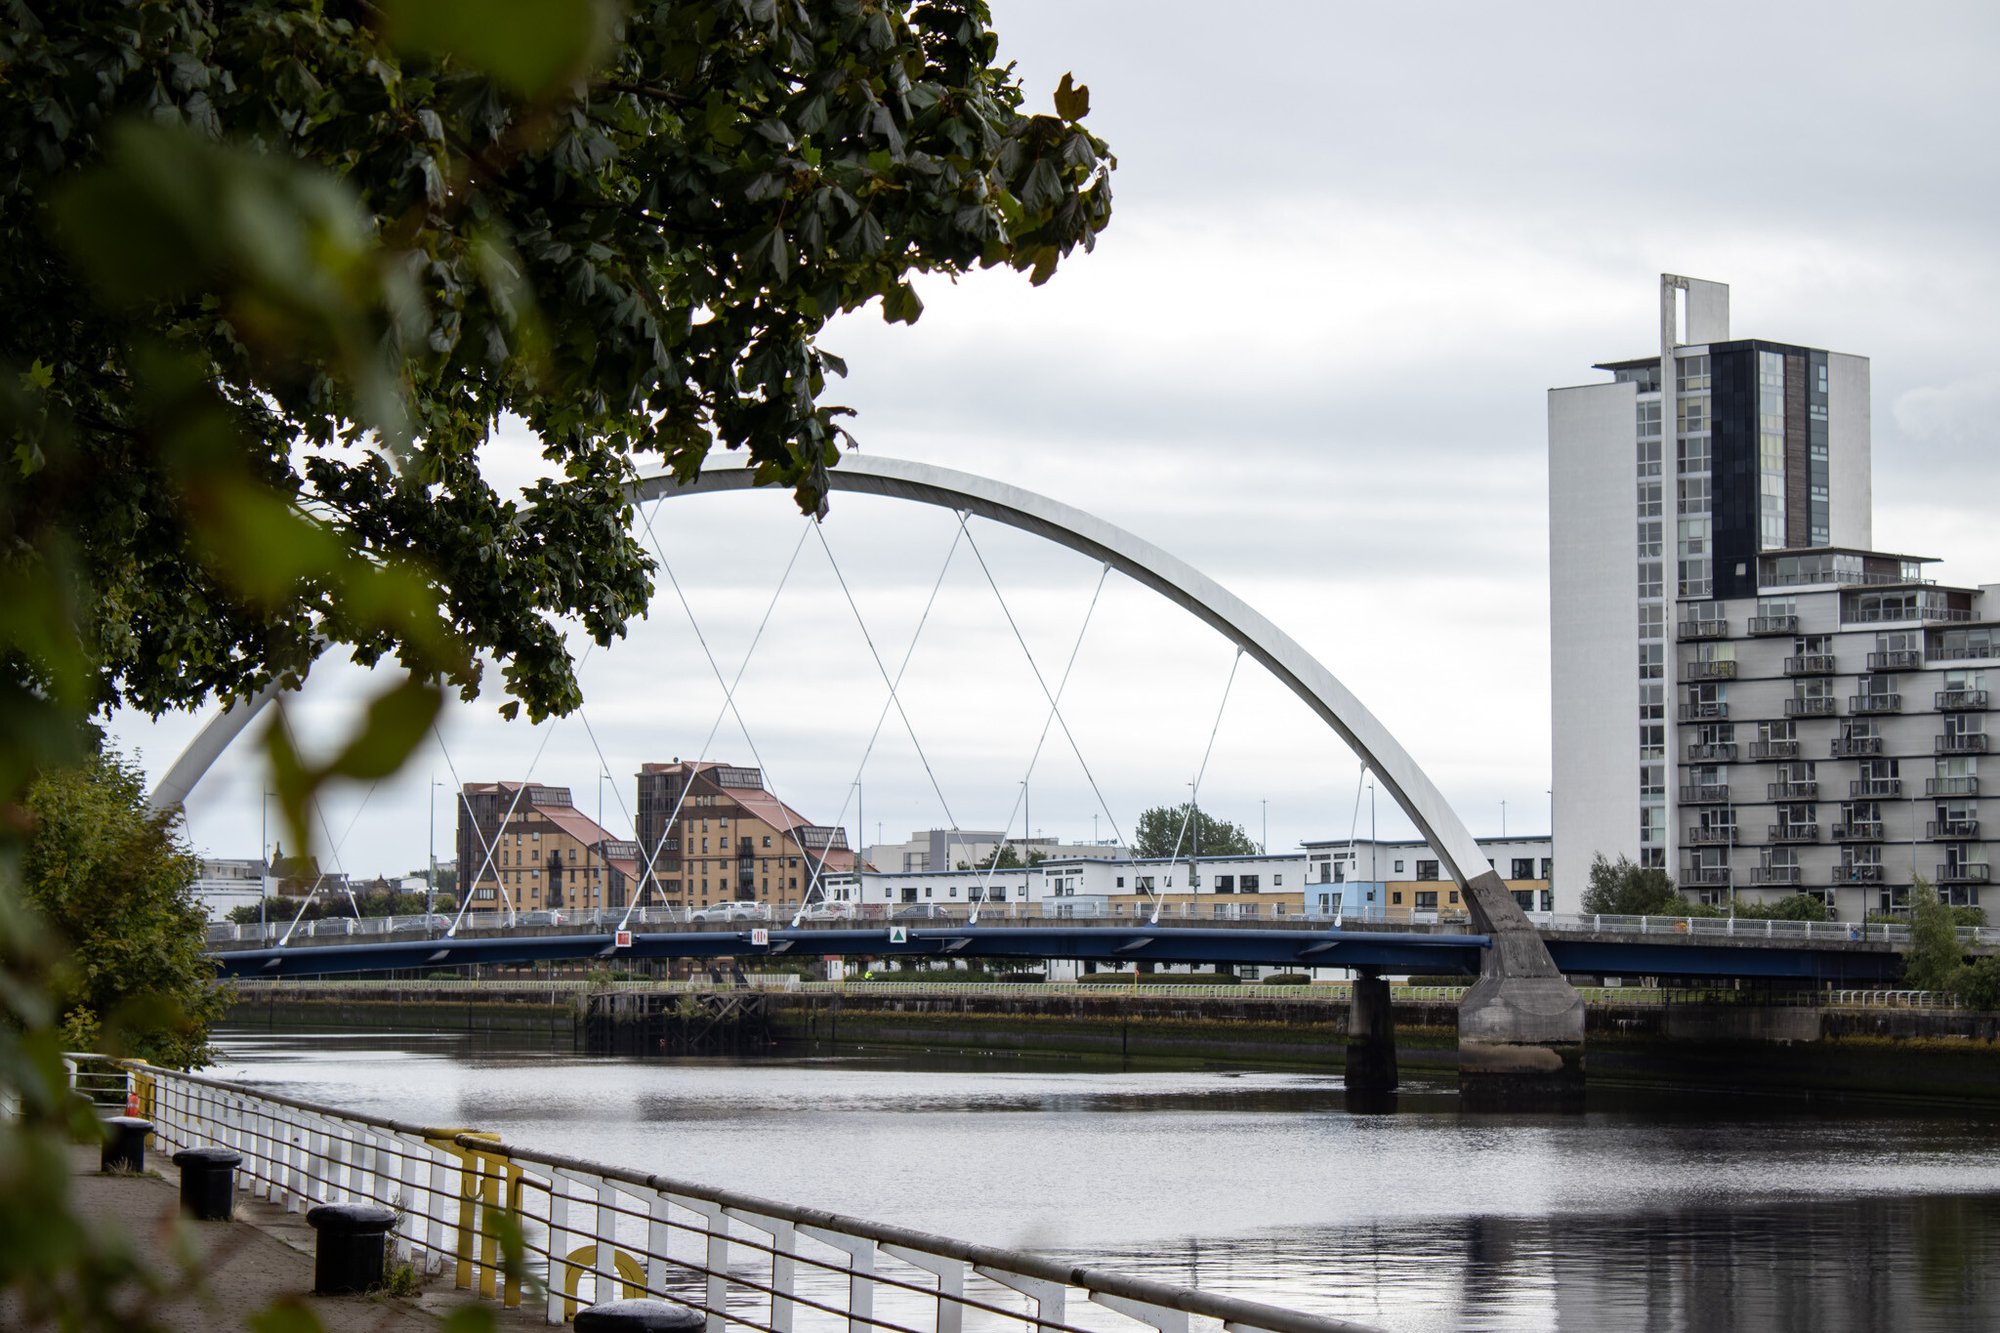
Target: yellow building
527,847
716,834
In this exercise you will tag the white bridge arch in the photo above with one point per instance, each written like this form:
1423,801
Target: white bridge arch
1133,556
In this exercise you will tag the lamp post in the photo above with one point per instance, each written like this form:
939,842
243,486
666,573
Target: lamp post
264,855
431,895
1264,842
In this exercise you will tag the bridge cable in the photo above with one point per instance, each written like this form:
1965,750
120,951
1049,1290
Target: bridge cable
466,886
1055,709
1062,686
729,688
813,882
333,844
1194,790
894,697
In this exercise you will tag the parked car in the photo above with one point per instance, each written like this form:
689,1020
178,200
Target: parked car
542,918
828,912
736,911
920,912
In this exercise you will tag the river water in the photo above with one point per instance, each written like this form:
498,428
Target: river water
1652,1213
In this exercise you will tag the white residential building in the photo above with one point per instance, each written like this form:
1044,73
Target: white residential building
1666,483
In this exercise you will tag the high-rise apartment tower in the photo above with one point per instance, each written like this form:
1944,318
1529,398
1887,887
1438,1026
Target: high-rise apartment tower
1666,484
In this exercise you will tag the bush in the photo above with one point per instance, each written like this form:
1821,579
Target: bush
1791,907
1977,984
1288,979
1621,888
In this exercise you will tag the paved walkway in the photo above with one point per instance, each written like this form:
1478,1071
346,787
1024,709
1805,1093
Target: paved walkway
262,1258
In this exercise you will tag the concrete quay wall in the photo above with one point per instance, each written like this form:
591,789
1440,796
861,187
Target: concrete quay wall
1791,1050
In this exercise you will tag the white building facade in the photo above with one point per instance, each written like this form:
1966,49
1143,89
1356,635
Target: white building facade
1666,485
1830,732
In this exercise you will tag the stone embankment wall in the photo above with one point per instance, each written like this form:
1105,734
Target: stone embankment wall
1792,1050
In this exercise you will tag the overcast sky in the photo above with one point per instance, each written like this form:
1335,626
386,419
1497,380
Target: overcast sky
1353,246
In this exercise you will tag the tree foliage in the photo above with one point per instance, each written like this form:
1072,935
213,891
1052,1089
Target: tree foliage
1623,888
277,272
1934,957
1168,831
116,881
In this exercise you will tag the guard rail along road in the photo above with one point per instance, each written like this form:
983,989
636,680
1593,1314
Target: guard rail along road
596,1233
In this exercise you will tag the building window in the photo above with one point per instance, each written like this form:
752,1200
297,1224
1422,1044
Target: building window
1396,898
1225,883
1425,870
1524,867
1427,900
1399,867
1278,880
1249,883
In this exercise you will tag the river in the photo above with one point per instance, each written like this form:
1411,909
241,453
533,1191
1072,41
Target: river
1646,1212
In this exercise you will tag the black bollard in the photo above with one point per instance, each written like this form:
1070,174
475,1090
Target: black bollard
125,1143
348,1254
639,1317
208,1183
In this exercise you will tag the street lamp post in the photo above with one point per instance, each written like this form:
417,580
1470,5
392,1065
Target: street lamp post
431,893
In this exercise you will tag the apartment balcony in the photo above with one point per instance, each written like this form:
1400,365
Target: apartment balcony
1979,873
1823,705
1849,747
1939,829
1703,629
1792,833
1857,874
1973,744
1810,664
1803,789
1708,877
1896,659
1960,786
1723,752
1711,795
1711,835
1861,830
1704,712
1875,787
1709,671
1772,625
1865,704
1774,874
1774,750
1951,701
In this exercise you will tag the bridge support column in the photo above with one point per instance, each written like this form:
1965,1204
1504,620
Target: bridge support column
1520,1027
1371,1035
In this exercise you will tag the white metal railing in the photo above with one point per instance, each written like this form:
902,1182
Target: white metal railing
1089,914
593,1232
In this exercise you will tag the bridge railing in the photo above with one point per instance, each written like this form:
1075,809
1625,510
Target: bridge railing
1016,914
590,1233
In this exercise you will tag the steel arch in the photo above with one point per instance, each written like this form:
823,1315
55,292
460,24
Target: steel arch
1131,555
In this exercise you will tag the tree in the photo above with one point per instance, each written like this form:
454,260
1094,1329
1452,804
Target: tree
1934,957
1167,831
1621,888
116,881
276,272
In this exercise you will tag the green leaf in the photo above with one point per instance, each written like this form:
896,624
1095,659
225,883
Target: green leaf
470,1319
1072,100
395,725
530,46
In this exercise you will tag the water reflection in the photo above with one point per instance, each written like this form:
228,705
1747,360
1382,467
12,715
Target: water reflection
1645,1213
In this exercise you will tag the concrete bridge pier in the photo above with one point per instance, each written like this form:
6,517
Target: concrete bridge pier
1371,1035
1520,1026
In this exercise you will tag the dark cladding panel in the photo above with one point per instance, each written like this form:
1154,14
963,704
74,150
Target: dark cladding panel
1733,467
1798,507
